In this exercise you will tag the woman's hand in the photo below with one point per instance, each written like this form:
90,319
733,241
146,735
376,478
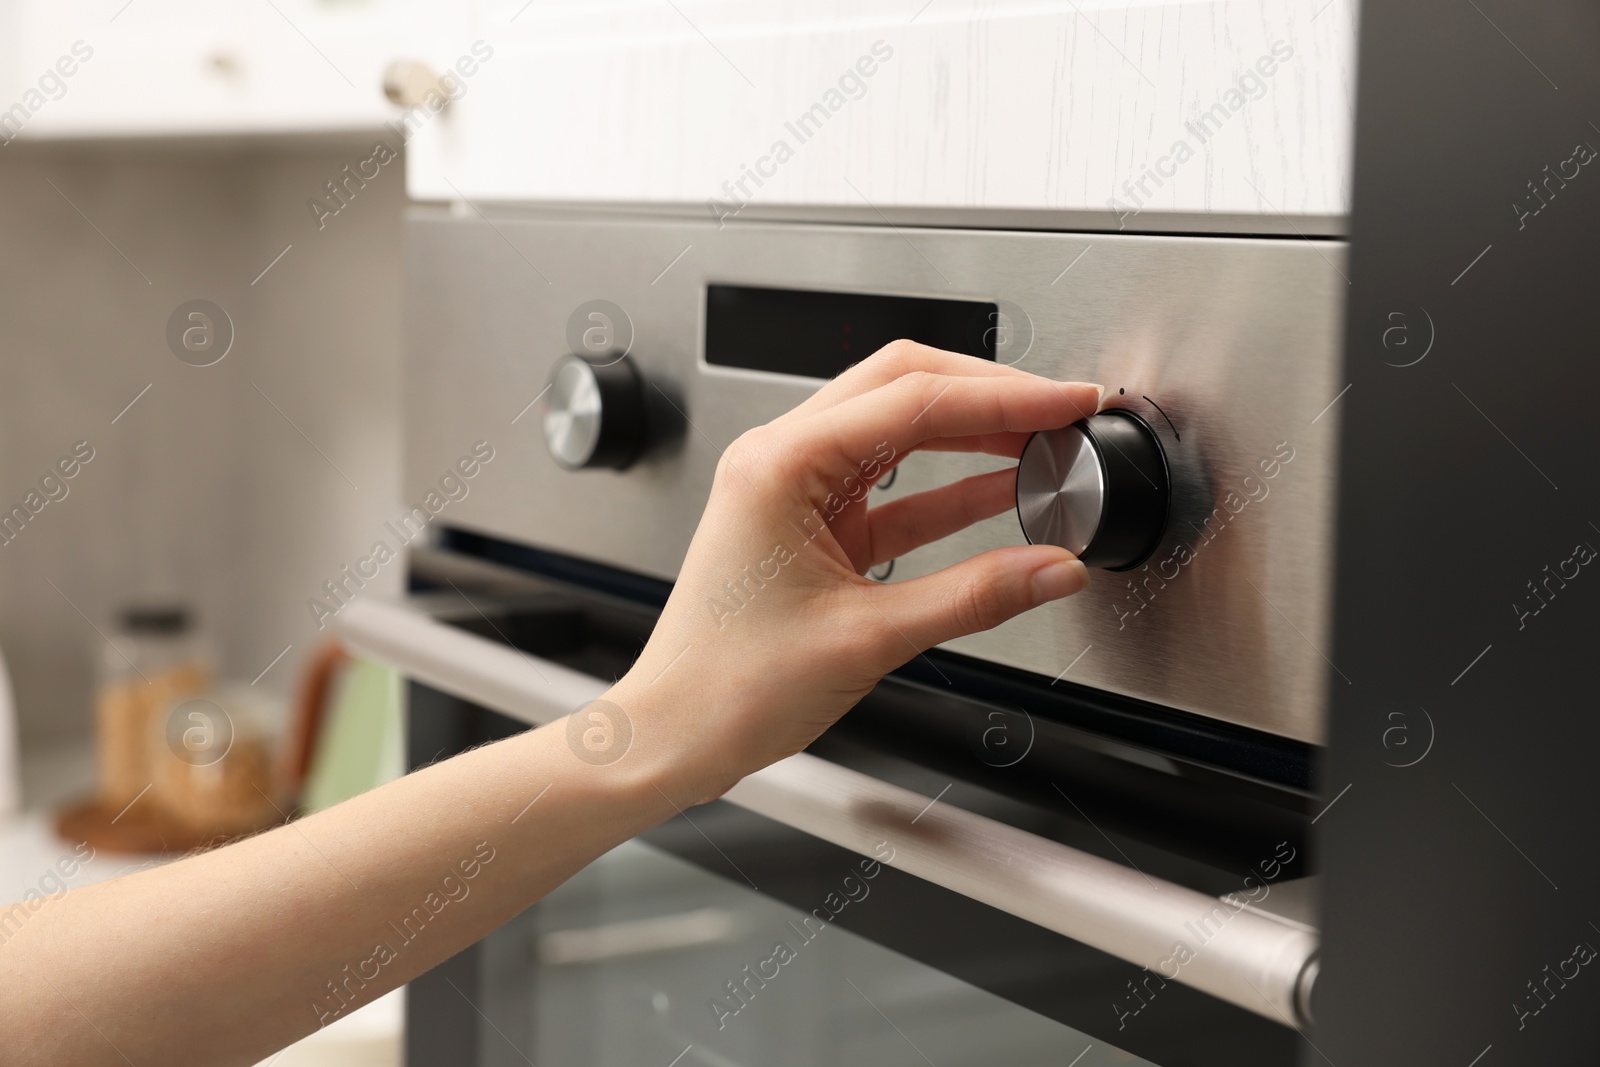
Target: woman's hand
772,632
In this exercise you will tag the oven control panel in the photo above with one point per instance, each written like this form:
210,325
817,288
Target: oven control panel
607,361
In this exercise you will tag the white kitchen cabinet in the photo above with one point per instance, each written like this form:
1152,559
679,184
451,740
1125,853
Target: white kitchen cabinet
1206,107
177,67
740,107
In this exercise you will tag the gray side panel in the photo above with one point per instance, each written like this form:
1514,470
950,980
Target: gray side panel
1466,476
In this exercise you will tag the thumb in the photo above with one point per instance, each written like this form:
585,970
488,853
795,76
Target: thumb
980,593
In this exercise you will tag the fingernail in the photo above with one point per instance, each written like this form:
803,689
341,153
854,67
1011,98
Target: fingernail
1056,580
1099,396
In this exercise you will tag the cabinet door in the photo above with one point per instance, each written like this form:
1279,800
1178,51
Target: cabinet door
1121,110
176,67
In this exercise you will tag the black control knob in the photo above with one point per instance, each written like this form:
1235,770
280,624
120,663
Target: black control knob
1098,488
593,412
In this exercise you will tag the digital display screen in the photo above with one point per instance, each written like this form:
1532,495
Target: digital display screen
817,335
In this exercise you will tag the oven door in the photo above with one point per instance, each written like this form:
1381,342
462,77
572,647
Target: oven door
939,879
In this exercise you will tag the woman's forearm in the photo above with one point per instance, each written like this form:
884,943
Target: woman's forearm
227,956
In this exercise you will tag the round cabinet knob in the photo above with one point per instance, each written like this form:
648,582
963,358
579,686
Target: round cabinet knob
1098,488
594,412
408,82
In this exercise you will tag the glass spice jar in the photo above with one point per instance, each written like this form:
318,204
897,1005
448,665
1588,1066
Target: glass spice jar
154,656
211,760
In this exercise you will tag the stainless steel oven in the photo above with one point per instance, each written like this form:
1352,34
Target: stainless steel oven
1081,838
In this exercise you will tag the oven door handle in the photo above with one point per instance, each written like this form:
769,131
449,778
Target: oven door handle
1223,947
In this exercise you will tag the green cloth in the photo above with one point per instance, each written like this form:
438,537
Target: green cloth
362,742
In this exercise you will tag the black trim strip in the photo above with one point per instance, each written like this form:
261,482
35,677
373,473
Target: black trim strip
568,569
1179,735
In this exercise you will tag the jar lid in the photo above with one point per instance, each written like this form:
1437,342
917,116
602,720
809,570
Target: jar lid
156,619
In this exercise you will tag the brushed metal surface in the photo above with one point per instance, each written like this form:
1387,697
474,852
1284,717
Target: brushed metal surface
571,413
1055,219
1227,347
1061,489
1247,958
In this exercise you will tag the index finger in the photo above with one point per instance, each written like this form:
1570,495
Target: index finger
921,407
894,360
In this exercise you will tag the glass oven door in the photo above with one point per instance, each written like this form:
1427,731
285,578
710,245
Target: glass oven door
649,958
887,897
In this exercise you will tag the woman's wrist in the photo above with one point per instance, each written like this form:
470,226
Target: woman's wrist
669,750
586,769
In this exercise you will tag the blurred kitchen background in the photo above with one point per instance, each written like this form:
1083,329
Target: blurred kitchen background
208,490
176,163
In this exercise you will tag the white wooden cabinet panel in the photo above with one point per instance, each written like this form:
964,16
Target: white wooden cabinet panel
1207,106
178,67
